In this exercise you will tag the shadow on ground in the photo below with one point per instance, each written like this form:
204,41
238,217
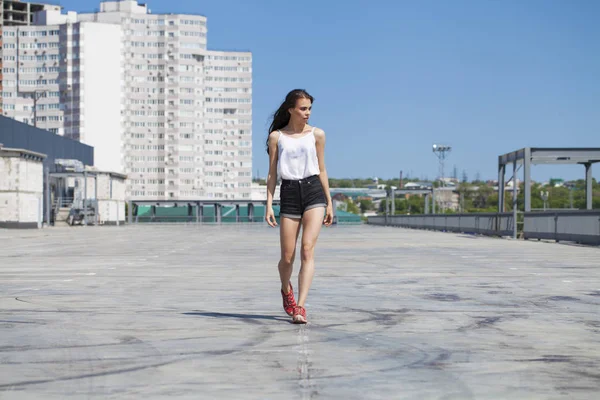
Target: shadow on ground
236,316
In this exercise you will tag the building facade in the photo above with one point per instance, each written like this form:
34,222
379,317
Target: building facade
66,77
21,179
18,13
21,188
15,134
144,91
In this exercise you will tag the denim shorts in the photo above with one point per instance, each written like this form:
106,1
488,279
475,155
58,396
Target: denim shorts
300,196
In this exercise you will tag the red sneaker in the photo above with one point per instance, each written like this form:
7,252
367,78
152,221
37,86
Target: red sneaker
299,316
289,302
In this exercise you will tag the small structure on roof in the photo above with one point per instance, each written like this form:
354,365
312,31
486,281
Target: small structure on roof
86,196
21,188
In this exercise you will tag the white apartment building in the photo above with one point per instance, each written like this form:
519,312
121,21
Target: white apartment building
188,114
66,77
184,123
18,13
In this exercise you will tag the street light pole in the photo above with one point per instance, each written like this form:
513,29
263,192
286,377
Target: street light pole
441,152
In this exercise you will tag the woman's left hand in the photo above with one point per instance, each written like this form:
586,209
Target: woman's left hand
328,215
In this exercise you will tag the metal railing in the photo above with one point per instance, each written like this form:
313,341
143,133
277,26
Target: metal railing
206,219
493,224
580,226
572,226
62,202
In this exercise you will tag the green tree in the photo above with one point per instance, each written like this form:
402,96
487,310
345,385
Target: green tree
352,207
415,205
480,197
365,205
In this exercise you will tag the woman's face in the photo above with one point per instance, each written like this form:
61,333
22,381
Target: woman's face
302,110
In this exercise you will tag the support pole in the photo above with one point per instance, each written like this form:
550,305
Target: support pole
514,179
40,215
588,186
387,208
96,210
393,204
501,185
130,212
201,212
197,207
387,205
84,198
48,198
251,212
433,200
427,204
237,213
527,179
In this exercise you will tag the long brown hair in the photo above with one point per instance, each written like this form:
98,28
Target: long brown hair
281,117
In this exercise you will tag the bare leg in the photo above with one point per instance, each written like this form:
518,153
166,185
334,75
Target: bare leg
288,236
311,227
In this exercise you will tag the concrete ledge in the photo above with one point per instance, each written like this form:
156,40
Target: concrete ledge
113,223
18,225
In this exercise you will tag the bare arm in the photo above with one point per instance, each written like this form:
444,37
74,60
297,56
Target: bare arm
320,138
272,177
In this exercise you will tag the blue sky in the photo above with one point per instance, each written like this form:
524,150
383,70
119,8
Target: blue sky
392,77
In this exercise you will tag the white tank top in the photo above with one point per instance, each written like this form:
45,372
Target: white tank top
297,156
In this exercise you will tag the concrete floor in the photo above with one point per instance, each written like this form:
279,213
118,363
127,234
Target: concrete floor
194,312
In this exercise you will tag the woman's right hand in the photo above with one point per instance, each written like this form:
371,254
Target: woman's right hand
270,217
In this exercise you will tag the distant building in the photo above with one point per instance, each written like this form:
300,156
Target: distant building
143,90
339,197
17,13
21,13
58,81
450,181
33,160
259,192
418,185
21,188
15,134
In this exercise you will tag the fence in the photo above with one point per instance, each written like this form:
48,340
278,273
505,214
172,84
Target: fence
213,213
495,224
575,226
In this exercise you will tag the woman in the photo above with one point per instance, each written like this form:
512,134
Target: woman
296,155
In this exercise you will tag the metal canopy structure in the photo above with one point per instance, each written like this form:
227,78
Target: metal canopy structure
529,156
